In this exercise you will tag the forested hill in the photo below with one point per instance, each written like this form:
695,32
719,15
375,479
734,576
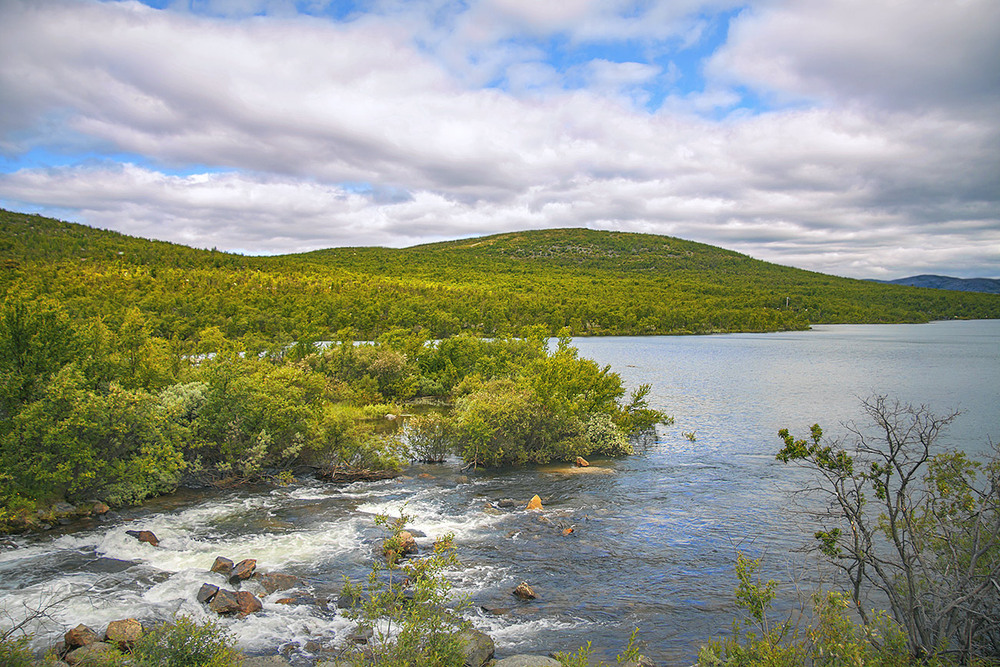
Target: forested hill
594,283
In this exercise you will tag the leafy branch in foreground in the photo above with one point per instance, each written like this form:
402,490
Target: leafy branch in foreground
913,525
407,605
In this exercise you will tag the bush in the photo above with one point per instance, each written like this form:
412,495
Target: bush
916,524
431,437
408,607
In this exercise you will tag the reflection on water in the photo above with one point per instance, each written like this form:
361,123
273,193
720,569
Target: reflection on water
653,536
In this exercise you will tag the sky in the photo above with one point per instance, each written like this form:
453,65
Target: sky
854,137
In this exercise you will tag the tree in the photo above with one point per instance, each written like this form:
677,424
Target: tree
914,524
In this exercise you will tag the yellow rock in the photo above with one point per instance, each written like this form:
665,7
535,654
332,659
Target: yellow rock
581,462
535,503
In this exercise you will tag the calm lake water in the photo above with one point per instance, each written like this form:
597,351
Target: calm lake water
654,536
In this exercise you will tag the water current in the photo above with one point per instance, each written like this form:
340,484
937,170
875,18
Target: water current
654,535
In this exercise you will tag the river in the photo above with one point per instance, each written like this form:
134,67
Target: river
654,535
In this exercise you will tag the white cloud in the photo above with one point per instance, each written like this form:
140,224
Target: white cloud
292,109
898,55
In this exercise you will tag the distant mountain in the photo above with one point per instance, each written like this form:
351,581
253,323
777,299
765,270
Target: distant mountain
987,285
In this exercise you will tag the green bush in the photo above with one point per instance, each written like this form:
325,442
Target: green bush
407,604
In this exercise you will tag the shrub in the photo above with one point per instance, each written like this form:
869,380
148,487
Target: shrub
408,607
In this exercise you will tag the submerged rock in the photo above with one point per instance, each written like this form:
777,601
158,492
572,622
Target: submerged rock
524,591
275,581
146,536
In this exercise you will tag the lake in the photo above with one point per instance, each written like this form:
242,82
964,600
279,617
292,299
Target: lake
654,535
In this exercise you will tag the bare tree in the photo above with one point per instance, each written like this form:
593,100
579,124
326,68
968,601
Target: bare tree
915,522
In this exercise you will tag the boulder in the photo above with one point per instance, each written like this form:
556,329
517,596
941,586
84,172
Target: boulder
124,633
243,570
248,603
402,544
524,591
63,508
79,636
528,661
274,581
641,661
99,508
90,652
507,503
477,647
146,536
223,566
224,602
581,462
535,503
207,592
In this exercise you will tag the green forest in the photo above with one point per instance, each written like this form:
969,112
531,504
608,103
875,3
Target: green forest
130,365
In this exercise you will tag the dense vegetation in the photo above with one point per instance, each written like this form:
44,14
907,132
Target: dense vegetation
594,283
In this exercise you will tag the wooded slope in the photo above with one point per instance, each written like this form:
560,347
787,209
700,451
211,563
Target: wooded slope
594,282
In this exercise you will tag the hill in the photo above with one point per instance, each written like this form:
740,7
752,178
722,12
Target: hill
986,285
593,282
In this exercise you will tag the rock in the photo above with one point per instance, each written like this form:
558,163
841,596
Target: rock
207,592
222,565
224,602
581,462
63,508
248,603
507,503
274,581
7,545
524,591
528,661
535,503
567,531
146,536
243,570
99,508
477,647
641,661
88,653
79,636
402,544
123,634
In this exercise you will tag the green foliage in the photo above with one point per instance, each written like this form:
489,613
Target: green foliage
430,437
828,638
183,643
917,525
14,652
591,282
408,606
582,656
186,643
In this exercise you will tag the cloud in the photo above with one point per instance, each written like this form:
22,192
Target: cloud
895,55
302,132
